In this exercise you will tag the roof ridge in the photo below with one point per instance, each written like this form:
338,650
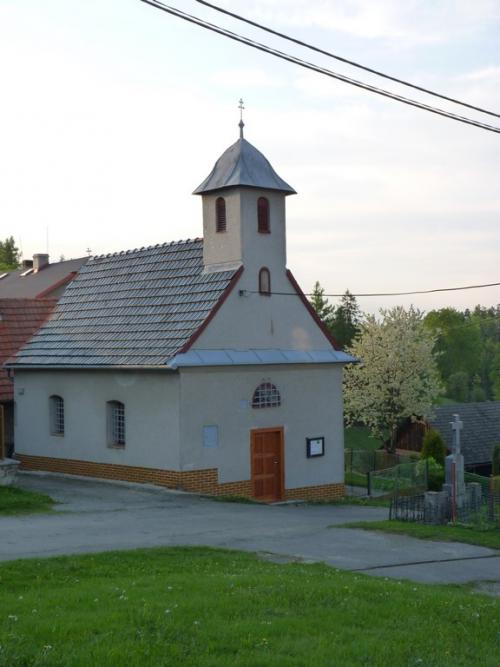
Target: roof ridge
130,251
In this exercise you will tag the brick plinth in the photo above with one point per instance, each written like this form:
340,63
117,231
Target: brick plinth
168,478
322,492
198,481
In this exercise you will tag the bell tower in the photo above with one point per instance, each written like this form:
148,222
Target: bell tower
244,220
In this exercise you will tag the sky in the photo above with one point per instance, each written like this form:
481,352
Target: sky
113,112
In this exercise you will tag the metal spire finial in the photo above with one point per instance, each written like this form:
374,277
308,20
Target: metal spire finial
241,123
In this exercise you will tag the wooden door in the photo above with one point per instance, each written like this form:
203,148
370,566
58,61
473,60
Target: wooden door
267,463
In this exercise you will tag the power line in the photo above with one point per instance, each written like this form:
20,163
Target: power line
238,17
367,294
316,68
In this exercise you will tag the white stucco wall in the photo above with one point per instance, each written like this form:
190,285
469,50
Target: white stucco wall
256,321
242,243
151,416
311,406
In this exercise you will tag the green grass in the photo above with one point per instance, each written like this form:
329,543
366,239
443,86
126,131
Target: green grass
358,437
364,501
18,501
353,478
208,608
485,537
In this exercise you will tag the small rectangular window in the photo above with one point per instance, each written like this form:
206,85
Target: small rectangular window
210,436
116,424
56,415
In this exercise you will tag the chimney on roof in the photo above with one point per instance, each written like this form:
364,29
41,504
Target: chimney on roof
40,261
27,264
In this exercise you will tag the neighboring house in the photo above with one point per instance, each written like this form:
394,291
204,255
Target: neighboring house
197,365
27,297
38,279
19,320
480,432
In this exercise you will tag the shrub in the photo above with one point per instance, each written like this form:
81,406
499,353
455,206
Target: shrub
435,473
477,393
433,447
495,459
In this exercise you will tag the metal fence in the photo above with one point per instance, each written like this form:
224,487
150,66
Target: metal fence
402,479
483,511
360,463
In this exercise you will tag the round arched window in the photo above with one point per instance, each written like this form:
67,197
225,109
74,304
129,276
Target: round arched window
266,396
220,214
265,281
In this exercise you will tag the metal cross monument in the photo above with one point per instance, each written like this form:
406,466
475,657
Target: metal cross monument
457,426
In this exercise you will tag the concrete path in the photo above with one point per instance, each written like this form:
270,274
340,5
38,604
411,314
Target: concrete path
100,516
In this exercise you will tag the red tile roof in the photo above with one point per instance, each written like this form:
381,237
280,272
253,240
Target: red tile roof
19,320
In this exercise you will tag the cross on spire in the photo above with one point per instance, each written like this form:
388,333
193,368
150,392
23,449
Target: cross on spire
241,123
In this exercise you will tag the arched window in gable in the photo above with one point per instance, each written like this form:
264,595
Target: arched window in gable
265,281
266,395
263,225
220,214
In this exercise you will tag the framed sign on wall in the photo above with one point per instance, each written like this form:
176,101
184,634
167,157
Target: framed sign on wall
315,447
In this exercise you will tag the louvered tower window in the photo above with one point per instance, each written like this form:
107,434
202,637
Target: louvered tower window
116,424
266,396
220,214
265,281
56,415
263,225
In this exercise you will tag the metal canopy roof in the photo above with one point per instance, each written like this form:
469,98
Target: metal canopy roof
259,357
243,165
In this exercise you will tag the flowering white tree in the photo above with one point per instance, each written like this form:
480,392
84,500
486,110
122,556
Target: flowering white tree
397,376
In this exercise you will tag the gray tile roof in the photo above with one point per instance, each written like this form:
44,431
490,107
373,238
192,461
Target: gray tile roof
243,164
17,286
133,308
481,428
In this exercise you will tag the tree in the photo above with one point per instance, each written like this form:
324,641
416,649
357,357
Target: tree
458,342
346,320
477,393
495,375
324,310
397,377
9,255
488,321
457,387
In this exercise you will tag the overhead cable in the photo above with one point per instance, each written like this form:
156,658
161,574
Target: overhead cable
366,294
282,35
316,68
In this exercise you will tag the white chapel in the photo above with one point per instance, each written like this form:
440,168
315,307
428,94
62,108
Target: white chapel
197,365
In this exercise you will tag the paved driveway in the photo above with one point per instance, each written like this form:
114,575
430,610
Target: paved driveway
99,516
